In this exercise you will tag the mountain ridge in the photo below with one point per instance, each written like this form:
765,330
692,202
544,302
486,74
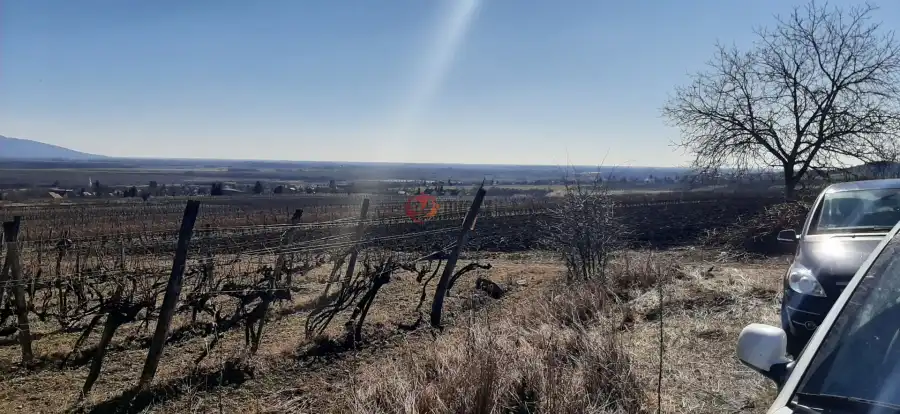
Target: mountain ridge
23,149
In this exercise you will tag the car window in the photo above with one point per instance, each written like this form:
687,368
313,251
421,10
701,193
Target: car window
860,355
857,211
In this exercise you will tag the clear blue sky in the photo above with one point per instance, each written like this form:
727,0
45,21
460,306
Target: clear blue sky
473,81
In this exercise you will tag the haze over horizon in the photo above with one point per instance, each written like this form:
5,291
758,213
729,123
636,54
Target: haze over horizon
575,82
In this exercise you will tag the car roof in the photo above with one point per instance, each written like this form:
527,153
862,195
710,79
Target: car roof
885,184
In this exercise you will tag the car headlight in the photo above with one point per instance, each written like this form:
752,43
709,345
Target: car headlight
802,281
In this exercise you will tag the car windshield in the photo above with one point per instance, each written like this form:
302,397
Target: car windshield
857,211
859,359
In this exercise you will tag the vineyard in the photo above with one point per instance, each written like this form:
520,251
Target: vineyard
88,282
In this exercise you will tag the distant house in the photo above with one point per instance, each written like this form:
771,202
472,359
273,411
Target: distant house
61,192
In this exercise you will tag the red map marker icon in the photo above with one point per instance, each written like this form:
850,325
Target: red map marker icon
421,207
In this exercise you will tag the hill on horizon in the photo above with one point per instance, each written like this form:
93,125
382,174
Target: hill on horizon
18,148
26,149
881,169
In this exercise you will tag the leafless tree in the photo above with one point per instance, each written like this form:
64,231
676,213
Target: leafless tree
819,91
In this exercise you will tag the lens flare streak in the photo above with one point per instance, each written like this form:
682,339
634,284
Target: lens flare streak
447,40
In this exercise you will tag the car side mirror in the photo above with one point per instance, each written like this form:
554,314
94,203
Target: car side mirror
764,348
787,236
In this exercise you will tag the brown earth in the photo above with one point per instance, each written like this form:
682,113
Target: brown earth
706,301
284,348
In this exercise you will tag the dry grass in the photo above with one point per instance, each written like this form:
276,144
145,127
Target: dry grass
550,362
286,360
704,312
576,351
546,347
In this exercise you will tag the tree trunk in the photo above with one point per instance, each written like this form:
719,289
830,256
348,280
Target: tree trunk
790,182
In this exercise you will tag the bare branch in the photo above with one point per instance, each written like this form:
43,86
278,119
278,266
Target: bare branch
819,91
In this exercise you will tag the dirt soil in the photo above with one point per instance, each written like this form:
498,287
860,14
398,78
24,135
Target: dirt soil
284,353
705,307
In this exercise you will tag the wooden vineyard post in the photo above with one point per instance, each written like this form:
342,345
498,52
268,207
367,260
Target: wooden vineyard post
14,265
284,265
173,291
360,228
209,267
4,271
354,252
437,305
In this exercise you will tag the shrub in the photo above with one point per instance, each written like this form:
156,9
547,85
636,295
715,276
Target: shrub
758,233
583,229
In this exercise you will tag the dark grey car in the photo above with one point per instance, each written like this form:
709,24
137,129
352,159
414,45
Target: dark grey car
846,223
852,362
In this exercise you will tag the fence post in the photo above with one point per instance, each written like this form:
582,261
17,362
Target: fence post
173,291
14,264
354,253
284,263
437,305
360,228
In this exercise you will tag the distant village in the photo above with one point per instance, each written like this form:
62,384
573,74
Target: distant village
449,187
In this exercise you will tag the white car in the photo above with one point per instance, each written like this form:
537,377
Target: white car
852,362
